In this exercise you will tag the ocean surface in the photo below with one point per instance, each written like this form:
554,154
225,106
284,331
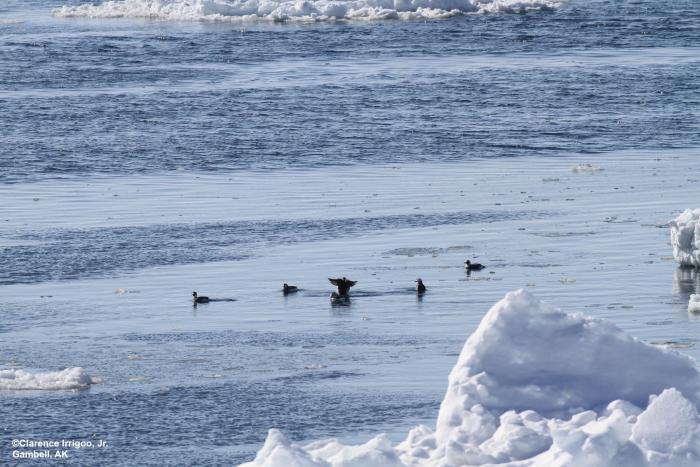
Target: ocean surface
149,149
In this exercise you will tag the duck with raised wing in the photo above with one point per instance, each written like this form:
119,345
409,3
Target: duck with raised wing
343,284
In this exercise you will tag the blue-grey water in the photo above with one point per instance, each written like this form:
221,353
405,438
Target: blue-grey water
143,158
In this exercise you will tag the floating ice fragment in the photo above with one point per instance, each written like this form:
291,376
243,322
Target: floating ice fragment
694,303
318,366
685,238
587,168
70,378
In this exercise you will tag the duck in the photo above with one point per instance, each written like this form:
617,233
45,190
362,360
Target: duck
420,287
197,299
343,285
469,266
287,289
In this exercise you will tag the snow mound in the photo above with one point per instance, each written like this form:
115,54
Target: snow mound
685,238
298,10
278,451
526,355
535,386
70,378
669,425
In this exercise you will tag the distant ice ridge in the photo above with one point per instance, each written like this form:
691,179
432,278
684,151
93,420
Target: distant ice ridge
70,378
299,10
685,238
535,386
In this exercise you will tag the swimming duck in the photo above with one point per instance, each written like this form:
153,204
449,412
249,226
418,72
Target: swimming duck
469,266
420,287
287,289
197,299
343,285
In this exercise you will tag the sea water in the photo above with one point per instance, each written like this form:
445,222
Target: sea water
206,146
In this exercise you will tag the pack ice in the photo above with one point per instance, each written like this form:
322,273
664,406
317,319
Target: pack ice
536,386
298,10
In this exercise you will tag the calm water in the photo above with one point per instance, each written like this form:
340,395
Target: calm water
157,157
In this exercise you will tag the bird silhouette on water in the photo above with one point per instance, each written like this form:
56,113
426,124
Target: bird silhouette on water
343,284
469,266
199,299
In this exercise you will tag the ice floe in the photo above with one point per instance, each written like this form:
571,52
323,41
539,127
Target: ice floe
70,378
299,10
535,386
685,238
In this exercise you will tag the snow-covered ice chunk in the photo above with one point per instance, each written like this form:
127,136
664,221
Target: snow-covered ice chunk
526,355
685,238
538,387
70,378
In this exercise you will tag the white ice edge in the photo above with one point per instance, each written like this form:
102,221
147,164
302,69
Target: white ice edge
298,10
535,386
69,378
